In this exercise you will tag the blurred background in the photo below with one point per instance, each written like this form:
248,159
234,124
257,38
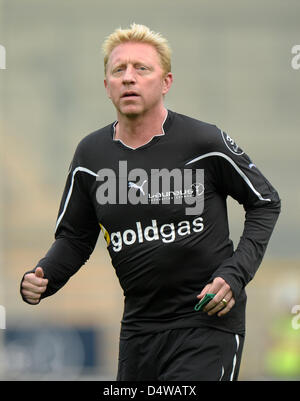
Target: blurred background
232,65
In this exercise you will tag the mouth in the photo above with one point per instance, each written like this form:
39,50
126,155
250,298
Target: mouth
129,94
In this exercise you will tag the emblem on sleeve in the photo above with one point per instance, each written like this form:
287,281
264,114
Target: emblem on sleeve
231,145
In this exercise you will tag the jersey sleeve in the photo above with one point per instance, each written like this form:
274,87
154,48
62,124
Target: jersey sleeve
76,231
238,177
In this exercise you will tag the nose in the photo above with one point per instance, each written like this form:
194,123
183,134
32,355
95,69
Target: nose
129,75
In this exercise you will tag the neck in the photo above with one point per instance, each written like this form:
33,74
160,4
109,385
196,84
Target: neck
138,130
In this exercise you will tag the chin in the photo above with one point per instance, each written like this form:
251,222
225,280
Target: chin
131,112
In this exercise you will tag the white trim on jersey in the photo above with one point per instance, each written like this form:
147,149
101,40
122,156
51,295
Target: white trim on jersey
234,358
235,166
222,373
84,170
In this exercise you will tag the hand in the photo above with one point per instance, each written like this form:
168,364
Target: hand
33,286
222,291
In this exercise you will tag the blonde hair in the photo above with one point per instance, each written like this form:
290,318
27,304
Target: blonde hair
141,34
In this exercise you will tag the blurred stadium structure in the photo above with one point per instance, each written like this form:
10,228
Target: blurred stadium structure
232,67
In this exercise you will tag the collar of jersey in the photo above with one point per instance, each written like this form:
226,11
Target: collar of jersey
165,125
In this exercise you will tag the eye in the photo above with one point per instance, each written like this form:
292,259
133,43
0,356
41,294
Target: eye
118,70
142,68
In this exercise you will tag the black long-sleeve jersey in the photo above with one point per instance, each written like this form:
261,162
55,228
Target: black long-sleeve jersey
162,209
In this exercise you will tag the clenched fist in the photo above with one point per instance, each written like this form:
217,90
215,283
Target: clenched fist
33,286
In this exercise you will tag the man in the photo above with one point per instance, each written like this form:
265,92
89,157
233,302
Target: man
156,183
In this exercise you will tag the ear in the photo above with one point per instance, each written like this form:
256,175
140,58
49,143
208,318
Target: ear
167,82
107,88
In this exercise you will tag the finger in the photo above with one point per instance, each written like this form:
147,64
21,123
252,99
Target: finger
31,295
34,283
33,288
216,309
216,303
227,308
219,285
33,279
213,287
205,290
224,293
32,301
39,272
221,307
221,292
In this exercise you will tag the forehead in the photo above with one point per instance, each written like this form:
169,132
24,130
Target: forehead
134,52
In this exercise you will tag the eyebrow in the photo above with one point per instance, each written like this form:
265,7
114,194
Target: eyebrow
134,63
